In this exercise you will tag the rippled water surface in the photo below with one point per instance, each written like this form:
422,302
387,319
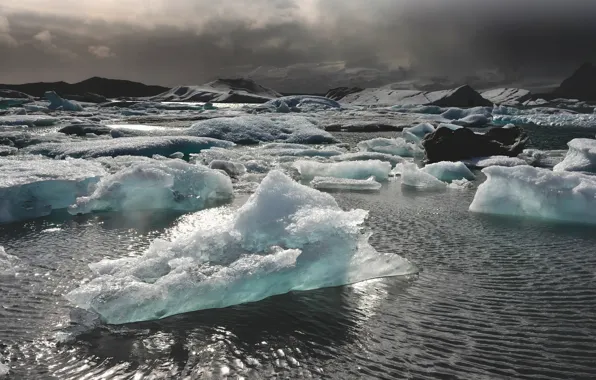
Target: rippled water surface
495,298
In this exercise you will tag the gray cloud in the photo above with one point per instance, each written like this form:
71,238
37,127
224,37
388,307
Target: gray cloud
320,42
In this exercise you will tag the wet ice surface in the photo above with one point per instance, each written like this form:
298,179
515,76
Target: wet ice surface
497,297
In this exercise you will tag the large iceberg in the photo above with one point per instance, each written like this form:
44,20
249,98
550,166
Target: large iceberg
128,146
348,169
581,157
397,146
339,184
526,191
157,185
447,171
255,129
34,187
287,237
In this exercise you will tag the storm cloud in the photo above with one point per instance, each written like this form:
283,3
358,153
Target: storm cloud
291,43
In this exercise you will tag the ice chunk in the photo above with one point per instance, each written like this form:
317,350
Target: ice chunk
412,176
450,126
331,183
4,370
455,113
548,119
460,184
7,263
233,169
366,156
7,150
301,102
526,191
449,171
28,120
57,103
473,121
129,146
303,152
348,169
254,129
543,158
417,132
397,146
581,157
34,187
286,237
484,162
159,184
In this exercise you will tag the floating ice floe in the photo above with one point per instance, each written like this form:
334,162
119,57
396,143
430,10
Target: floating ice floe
28,120
366,156
417,132
484,162
412,176
34,187
581,157
549,120
157,185
473,121
57,103
543,158
338,184
301,103
287,237
348,169
21,139
255,129
129,146
233,169
455,113
397,146
449,171
525,191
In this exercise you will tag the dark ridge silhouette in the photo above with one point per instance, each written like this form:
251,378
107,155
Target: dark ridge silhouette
580,85
109,88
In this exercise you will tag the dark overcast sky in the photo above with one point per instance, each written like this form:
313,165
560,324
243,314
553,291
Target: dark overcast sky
173,42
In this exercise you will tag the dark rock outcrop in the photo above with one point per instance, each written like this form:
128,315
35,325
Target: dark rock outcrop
12,94
341,92
446,144
110,88
84,129
580,85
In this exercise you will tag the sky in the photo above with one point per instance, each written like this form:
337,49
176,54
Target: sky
297,45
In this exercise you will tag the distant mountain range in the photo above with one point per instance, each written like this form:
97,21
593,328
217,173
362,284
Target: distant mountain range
580,85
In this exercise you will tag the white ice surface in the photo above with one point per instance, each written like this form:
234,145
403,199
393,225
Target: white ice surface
128,146
348,169
581,157
412,176
58,103
449,171
417,132
525,191
365,156
254,129
7,263
286,237
157,185
34,187
484,162
397,146
331,183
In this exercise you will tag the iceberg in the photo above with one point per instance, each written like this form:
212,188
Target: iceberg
417,132
485,162
525,191
366,156
57,103
128,146
286,237
455,113
412,176
447,171
233,169
157,185
337,184
397,146
34,187
581,157
254,129
349,169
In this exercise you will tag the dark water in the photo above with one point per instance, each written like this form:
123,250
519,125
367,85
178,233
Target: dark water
497,298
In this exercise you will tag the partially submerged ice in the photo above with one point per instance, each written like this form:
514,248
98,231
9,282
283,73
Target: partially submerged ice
33,188
581,157
447,171
525,191
157,185
413,177
366,156
286,237
343,184
57,103
417,132
348,169
254,129
485,162
128,146
397,146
